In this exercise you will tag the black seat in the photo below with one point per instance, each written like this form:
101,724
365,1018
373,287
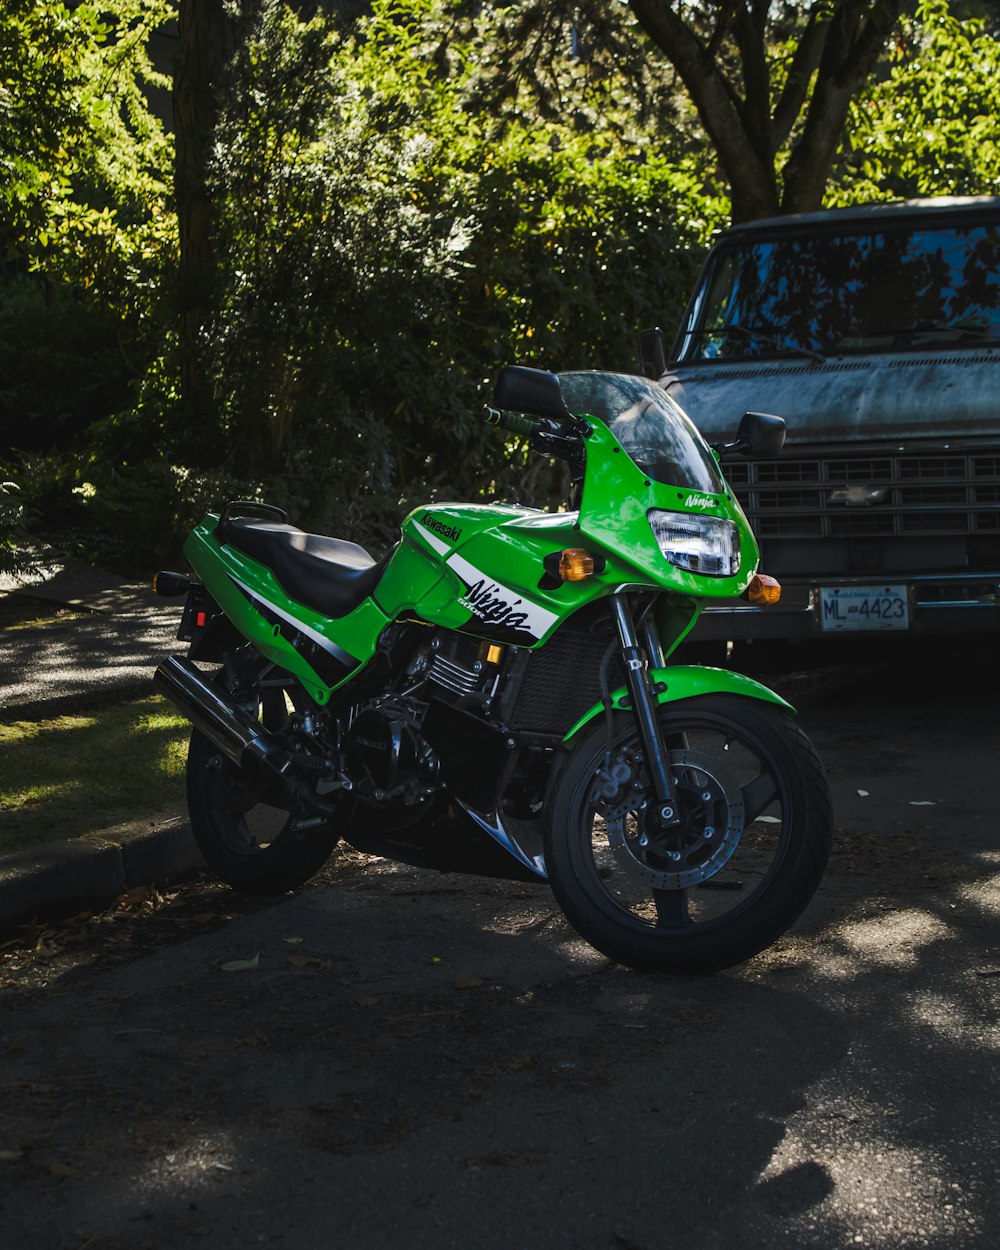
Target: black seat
327,574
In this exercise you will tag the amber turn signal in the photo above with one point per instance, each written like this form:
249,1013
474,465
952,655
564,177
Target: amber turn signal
763,590
575,564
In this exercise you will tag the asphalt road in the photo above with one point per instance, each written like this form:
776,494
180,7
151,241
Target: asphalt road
59,666
432,1061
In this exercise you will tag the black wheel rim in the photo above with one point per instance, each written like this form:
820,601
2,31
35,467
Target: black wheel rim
734,838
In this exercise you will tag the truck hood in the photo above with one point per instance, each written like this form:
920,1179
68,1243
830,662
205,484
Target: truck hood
848,399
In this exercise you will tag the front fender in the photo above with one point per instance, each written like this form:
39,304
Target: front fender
686,681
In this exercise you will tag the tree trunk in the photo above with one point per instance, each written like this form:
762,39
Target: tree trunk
838,42
205,47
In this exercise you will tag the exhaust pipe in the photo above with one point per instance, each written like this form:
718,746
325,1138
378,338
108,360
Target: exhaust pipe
236,733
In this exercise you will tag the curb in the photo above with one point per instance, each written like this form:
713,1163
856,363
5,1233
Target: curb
56,879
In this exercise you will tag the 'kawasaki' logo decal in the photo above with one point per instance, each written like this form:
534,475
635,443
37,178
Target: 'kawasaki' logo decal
699,501
439,527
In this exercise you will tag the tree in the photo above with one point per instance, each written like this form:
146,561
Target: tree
773,85
928,126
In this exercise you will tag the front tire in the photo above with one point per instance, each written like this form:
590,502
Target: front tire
754,840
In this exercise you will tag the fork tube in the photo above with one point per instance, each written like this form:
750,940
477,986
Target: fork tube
640,690
651,641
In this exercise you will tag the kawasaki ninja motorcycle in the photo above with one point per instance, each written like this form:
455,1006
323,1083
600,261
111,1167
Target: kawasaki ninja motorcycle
496,694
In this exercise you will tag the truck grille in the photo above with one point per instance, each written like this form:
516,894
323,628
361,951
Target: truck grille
924,495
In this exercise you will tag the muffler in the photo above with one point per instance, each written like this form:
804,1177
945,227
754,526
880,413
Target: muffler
232,729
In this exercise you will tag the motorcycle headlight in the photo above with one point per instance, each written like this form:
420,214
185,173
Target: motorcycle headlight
700,544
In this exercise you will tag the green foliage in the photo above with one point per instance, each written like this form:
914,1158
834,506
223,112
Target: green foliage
84,169
402,205
385,246
929,127
12,530
89,240
66,359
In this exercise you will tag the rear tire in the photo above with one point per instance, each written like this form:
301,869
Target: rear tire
243,821
749,854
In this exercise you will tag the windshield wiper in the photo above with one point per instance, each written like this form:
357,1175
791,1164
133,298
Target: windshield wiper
976,332
785,345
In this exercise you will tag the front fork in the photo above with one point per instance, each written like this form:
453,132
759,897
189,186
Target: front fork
642,695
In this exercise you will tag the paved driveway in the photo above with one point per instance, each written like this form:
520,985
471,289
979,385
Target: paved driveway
433,1061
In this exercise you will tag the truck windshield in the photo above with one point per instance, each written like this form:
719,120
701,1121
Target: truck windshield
653,429
836,291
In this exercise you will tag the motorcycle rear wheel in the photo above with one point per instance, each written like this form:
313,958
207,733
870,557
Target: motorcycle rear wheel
750,852
244,822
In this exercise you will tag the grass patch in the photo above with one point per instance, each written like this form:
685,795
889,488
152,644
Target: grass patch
71,775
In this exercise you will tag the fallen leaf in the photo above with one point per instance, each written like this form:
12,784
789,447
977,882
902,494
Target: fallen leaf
922,803
134,897
366,1002
240,965
467,981
61,1171
301,961
770,820
11,1156
435,959
293,941
863,794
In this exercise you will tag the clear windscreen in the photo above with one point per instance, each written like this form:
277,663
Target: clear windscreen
654,430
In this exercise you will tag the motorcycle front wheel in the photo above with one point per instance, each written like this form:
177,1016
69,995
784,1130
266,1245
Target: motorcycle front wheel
751,848
250,830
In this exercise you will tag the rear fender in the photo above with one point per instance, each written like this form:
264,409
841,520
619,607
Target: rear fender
685,681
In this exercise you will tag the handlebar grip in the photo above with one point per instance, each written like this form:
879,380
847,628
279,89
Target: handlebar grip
510,421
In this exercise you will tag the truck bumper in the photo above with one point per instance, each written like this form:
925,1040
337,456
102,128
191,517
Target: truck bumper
957,603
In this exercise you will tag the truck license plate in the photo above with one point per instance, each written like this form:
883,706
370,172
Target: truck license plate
864,607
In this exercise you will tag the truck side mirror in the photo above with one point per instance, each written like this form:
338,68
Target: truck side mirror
759,434
652,353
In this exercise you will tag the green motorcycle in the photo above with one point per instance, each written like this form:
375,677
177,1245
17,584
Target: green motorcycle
496,695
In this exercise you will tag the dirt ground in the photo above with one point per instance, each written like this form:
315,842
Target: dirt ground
407,1058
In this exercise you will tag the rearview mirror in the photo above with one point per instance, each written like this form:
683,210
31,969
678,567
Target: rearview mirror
534,391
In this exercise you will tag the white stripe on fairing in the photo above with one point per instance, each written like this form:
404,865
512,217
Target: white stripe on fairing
431,539
324,643
538,619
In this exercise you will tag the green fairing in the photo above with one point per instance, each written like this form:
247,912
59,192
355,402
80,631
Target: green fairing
218,566
687,681
478,569
616,498
508,545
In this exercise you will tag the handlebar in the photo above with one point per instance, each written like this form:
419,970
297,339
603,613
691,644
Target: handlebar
544,435
513,422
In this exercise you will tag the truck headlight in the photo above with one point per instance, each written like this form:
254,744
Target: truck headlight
701,544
